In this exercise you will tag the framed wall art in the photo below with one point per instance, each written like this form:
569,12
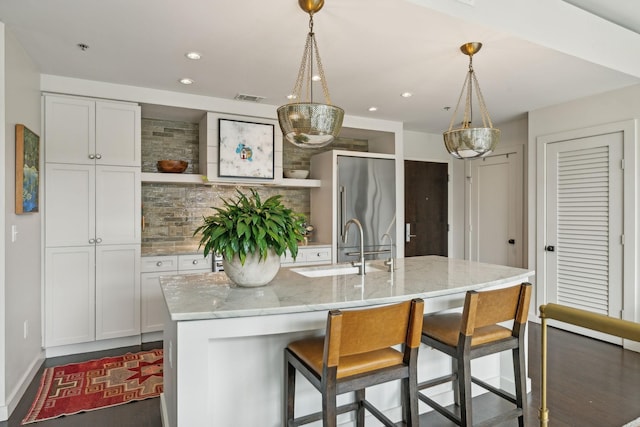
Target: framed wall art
245,149
27,170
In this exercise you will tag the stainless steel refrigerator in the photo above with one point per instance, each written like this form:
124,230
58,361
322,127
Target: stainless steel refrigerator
366,191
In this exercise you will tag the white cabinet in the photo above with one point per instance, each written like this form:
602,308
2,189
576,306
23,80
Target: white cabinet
87,131
92,220
308,255
88,204
153,267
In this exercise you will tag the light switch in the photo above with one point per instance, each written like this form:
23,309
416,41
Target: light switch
14,233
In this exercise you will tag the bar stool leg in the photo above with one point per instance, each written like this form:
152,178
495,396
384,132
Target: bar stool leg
360,396
464,385
289,392
329,407
520,384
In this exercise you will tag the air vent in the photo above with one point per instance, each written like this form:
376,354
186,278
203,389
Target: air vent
249,98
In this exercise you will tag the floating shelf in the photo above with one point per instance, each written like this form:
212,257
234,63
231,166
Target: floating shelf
190,178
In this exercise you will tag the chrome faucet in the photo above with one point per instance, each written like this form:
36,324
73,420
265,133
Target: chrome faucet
390,263
360,263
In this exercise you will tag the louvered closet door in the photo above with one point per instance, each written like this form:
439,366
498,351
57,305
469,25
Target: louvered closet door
585,223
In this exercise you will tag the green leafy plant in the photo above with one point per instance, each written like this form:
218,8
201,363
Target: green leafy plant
247,225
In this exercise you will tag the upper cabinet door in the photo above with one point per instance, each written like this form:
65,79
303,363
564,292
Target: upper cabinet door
70,130
117,134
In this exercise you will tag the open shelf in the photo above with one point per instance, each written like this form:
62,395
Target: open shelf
181,178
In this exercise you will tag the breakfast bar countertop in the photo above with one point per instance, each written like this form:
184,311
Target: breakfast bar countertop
212,295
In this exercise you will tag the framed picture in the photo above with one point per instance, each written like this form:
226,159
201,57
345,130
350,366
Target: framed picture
27,170
246,149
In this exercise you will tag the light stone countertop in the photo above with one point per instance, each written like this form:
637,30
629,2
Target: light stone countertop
213,295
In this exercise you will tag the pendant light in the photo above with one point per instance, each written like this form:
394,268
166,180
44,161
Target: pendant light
306,123
469,142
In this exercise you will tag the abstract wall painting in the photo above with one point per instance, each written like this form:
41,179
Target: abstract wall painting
27,170
245,149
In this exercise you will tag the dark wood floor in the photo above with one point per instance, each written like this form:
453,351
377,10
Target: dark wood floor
591,383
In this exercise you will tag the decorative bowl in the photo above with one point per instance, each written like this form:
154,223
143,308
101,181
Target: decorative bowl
172,166
296,173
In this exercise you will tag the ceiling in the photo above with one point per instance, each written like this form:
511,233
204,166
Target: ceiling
370,54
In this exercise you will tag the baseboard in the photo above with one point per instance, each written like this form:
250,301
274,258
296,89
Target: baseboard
88,347
13,398
152,336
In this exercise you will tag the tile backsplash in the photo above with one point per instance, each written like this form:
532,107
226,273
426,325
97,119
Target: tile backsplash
172,212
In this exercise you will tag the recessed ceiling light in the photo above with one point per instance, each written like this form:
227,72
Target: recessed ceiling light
373,108
316,78
406,94
291,96
186,81
193,55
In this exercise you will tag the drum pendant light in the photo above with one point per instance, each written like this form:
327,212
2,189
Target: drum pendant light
469,142
306,123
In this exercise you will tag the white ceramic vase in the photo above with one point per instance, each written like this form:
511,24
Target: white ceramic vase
254,272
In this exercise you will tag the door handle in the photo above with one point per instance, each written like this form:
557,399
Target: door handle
550,248
407,233
343,209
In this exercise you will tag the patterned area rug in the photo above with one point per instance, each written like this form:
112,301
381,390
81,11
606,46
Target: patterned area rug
96,384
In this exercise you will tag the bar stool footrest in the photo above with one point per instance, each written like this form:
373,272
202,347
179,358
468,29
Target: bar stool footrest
317,416
440,409
499,392
437,381
379,415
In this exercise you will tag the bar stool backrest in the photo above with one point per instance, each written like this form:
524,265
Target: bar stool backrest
496,306
352,332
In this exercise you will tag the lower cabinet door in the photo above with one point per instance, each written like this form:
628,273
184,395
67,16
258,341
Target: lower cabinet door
153,306
117,291
69,295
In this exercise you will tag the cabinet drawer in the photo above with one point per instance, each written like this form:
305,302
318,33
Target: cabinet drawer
317,255
152,264
194,262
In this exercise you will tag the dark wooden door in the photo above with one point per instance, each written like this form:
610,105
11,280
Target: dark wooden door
426,208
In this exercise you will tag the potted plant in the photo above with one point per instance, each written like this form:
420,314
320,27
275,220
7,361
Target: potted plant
251,235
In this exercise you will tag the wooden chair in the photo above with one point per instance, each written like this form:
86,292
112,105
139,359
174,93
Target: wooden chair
355,353
474,333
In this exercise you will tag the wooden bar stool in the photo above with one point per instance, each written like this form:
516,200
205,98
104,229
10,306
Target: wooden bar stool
474,333
355,353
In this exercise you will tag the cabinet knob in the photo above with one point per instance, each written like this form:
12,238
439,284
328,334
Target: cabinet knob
91,156
98,156
159,263
99,240
195,262
92,241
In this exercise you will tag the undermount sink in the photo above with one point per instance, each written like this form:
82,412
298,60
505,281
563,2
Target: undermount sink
332,270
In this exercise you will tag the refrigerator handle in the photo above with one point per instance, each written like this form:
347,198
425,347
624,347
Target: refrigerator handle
343,209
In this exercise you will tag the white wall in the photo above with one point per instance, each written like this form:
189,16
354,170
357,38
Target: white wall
610,107
22,280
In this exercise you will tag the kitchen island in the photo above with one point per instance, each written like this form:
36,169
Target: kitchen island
224,344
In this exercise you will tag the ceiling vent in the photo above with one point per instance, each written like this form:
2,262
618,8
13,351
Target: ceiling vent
249,98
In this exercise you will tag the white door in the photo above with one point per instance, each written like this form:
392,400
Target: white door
117,134
584,223
117,291
495,194
70,205
70,295
70,130
118,205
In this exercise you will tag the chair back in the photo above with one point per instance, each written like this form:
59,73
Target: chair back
490,307
353,332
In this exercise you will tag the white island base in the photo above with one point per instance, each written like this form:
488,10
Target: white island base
224,363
